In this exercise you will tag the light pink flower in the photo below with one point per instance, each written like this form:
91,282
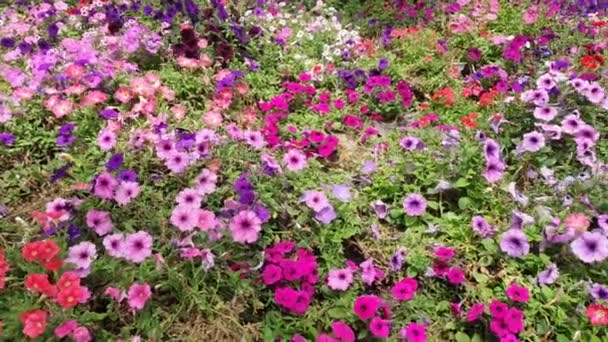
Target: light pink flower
138,295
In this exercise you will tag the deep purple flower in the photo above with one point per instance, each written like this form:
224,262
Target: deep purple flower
115,162
7,42
61,172
474,54
7,138
127,175
108,113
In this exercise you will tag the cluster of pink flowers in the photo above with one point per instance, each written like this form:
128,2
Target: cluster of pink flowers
293,279
106,186
506,321
441,267
137,295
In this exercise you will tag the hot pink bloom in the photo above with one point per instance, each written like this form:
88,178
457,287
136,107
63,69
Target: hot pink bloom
245,227
66,328
475,312
365,306
518,293
343,331
405,289
414,332
444,253
272,274
81,334
138,295
455,276
380,328
115,293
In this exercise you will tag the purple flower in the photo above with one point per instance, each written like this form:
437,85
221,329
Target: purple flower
380,208
115,162
514,242
108,113
494,170
519,220
598,292
474,54
491,149
548,276
414,205
396,262
7,138
127,175
602,222
411,143
342,192
590,247
481,226
532,142
326,215
545,113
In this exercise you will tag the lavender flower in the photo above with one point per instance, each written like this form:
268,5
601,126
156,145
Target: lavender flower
414,205
481,226
380,208
590,247
598,292
548,276
514,242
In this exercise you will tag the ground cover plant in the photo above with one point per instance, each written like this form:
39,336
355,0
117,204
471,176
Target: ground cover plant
303,171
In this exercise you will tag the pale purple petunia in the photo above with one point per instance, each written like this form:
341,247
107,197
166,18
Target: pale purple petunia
380,208
548,276
100,221
571,123
396,261
532,142
315,200
519,220
545,113
105,184
414,205
494,170
514,242
411,143
481,226
178,162
189,197
590,247
326,215
342,192
491,149
602,222
206,182
126,192
245,227
82,254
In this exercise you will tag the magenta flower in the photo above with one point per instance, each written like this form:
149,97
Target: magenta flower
343,331
518,293
271,274
455,276
444,253
380,328
365,306
414,332
475,312
405,289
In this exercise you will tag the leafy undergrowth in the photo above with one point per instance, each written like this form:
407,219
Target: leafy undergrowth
303,171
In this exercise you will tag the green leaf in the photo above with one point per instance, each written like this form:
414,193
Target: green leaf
338,313
476,338
462,337
461,183
547,292
464,203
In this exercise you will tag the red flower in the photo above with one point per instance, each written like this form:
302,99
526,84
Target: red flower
446,95
67,280
597,314
487,98
470,120
4,267
38,282
44,250
34,322
52,265
592,62
70,297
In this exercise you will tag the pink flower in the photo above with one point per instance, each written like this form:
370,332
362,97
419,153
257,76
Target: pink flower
206,220
81,334
294,160
114,245
475,312
444,253
531,15
115,293
365,306
380,328
105,184
245,227
189,197
578,222
126,192
137,247
66,328
106,139
405,289
315,200
206,182
99,221
340,279
343,331
138,295
414,332
185,218
272,274
518,293
455,276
